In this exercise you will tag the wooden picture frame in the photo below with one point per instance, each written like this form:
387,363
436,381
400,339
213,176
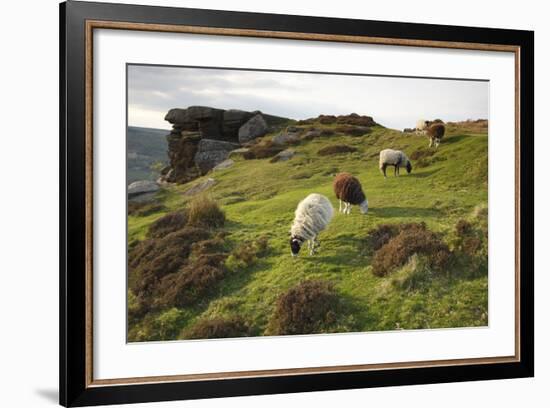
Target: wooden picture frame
78,20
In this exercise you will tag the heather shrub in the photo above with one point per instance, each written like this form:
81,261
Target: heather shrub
326,119
379,236
153,259
351,119
327,132
352,130
216,328
246,254
309,307
316,133
470,246
262,150
142,209
336,149
209,246
355,119
415,239
469,239
421,154
205,212
167,224
415,274
191,282
425,157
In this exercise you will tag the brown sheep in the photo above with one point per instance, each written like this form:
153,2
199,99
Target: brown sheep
348,190
435,132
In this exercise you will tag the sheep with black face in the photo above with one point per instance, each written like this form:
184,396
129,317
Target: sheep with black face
395,158
348,190
312,216
421,126
435,133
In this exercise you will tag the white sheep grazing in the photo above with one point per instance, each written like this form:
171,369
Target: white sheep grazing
421,126
395,158
311,217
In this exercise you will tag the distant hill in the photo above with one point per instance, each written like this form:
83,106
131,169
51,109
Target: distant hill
144,148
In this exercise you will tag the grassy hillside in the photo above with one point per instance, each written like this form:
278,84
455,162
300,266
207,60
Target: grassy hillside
145,147
445,188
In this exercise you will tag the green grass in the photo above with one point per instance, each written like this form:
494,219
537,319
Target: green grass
259,198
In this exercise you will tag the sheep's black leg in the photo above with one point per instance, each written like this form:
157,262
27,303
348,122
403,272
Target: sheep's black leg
384,169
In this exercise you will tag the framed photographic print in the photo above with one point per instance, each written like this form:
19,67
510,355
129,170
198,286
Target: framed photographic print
256,203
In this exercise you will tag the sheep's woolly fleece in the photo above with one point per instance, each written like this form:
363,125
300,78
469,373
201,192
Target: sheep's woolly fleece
421,124
436,131
348,189
392,158
312,215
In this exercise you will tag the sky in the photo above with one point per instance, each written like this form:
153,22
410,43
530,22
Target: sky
393,102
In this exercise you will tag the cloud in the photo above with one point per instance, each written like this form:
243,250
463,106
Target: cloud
394,102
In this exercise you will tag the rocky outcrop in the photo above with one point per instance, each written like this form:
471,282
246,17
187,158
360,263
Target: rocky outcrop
253,128
211,123
182,147
212,152
202,138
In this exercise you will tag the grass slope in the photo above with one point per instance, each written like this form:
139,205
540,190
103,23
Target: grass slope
259,198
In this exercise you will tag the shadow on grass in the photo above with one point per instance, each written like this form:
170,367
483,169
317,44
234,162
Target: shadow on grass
401,212
338,259
422,174
453,139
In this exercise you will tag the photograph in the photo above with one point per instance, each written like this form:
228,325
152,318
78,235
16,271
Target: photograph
271,203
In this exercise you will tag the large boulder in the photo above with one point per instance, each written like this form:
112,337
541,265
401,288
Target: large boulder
142,187
255,127
211,153
233,119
